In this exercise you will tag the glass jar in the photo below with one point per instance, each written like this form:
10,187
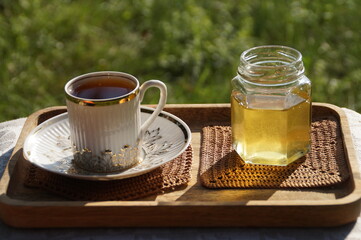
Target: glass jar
271,106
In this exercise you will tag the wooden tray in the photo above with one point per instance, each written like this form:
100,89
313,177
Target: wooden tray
193,205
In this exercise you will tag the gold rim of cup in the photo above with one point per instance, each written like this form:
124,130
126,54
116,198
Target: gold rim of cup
102,102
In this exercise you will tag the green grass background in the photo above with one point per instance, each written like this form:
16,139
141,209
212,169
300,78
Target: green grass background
193,46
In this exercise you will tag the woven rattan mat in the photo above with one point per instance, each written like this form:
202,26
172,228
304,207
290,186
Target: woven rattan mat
324,165
163,179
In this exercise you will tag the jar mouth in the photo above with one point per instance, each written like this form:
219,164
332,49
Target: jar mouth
285,56
271,64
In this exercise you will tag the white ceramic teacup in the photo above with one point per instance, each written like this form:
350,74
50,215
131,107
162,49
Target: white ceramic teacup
104,119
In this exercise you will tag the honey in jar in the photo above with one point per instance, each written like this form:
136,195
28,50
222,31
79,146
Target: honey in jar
271,106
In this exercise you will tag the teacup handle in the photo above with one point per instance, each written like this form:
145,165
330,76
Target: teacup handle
162,100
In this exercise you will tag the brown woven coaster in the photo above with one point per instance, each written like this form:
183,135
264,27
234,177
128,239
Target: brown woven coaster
324,165
165,178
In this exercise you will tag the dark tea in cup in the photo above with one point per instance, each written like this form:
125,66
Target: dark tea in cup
103,87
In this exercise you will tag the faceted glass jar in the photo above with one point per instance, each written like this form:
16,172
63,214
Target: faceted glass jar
271,106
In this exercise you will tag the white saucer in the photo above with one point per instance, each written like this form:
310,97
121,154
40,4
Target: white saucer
48,146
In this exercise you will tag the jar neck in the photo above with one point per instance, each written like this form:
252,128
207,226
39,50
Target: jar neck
271,65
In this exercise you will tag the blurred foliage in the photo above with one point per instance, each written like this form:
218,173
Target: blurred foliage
193,46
